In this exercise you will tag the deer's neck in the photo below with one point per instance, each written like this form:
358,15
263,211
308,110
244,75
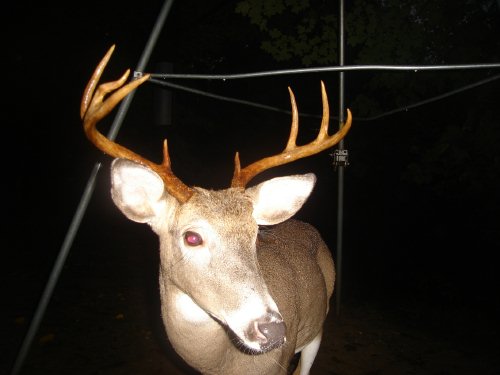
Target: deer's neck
197,338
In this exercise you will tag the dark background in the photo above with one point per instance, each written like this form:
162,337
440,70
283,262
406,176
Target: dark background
421,228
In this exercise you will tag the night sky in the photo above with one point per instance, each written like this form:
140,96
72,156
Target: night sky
420,225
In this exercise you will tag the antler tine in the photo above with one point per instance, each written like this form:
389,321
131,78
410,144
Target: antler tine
91,85
294,128
292,152
325,119
94,108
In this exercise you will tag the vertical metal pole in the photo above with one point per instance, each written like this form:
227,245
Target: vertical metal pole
340,188
82,206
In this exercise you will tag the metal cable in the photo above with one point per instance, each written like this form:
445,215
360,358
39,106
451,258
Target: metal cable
280,110
346,68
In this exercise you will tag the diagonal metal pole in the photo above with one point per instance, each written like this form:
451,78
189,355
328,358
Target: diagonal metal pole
340,187
84,201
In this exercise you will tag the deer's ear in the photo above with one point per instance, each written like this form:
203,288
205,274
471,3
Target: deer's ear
136,190
278,199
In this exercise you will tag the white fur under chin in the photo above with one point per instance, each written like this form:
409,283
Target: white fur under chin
190,310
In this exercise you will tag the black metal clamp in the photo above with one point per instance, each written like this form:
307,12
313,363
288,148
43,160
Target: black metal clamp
340,158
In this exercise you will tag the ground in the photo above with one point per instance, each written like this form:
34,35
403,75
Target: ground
104,319
363,340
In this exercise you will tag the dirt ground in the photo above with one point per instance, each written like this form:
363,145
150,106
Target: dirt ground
104,319
363,340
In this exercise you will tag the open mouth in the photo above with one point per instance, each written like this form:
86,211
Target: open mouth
261,336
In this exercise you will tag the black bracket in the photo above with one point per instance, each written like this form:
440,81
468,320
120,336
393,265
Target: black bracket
340,158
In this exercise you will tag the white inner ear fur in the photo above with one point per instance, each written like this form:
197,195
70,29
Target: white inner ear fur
137,191
278,199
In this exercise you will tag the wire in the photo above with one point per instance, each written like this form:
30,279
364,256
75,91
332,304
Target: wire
280,110
345,68
221,97
430,100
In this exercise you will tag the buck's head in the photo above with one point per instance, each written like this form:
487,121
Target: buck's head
208,239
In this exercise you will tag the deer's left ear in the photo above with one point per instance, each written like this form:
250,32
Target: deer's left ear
278,199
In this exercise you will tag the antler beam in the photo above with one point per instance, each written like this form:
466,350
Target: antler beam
94,108
292,152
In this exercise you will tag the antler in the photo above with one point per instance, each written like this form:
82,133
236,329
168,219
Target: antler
94,108
292,152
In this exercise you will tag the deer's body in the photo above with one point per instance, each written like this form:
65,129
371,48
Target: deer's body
286,267
243,286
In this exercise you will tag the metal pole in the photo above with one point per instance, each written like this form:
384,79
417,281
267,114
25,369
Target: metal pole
82,206
340,188
141,67
56,271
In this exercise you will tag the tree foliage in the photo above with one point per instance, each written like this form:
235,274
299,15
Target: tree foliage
378,31
293,29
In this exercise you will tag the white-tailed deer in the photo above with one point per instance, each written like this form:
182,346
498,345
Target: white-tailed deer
235,299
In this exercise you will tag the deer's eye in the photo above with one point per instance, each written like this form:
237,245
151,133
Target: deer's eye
192,239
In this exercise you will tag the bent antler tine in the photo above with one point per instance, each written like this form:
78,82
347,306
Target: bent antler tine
92,84
94,108
292,152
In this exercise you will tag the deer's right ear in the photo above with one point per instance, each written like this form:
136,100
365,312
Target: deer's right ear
137,191
278,199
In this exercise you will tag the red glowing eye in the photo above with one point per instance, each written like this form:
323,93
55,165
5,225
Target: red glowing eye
192,239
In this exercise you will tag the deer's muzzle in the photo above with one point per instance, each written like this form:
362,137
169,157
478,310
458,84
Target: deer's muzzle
268,332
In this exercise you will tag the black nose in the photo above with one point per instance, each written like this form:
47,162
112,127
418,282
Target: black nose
269,331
